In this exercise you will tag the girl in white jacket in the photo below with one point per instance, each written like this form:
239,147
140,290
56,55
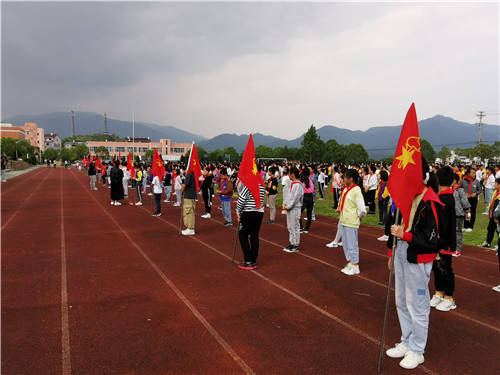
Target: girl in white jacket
178,187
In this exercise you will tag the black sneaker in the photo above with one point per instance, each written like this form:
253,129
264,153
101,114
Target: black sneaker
294,249
247,266
304,231
288,249
228,224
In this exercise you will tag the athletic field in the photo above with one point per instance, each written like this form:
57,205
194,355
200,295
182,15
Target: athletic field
89,288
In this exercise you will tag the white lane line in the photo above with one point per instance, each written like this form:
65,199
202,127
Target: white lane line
66,351
225,345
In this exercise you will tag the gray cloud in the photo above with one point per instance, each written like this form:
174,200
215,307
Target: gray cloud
239,67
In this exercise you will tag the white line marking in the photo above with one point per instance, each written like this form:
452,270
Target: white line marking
179,294
66,352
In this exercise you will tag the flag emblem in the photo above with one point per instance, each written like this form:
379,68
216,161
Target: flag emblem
407,151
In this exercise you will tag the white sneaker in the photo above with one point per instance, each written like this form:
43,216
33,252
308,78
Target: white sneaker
468,230
411,360
112,203
446,305
176,204
436,300
206,216
118,204
332,244
353,270
346,267
496,288
383,238
150,193
188,232
495,248
340,243
399,351
139,203
166,201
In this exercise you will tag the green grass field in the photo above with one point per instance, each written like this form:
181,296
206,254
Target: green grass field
474,238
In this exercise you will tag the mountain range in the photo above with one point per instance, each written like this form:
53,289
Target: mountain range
379,141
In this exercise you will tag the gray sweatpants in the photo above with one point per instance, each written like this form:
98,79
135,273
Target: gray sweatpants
460,236
350,244
293,225
92,181
412,299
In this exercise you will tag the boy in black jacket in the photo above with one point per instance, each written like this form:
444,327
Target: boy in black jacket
415,251
444,278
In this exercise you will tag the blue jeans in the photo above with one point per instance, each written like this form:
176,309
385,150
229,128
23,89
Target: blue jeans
226,211
168,190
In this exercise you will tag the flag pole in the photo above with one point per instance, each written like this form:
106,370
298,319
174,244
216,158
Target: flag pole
388,300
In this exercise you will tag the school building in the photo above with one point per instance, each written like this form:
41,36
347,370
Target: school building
166,148
29,132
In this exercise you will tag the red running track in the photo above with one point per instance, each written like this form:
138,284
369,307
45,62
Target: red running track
88,288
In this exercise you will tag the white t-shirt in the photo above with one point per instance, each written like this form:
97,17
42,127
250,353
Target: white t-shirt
284,180
490,182
372,182
321,178
156,185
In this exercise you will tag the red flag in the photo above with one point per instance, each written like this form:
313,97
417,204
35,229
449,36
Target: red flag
98,162
406,177
158,168
130,165
194,166
249,174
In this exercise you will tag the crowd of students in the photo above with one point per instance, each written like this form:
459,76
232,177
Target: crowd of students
444,208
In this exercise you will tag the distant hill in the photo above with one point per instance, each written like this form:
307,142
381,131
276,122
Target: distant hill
379,141
90,123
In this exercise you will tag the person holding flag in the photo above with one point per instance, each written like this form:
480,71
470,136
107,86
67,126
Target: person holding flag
250,207
413,242
189,191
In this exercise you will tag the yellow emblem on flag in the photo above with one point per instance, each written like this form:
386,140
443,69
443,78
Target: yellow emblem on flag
407,152
254,169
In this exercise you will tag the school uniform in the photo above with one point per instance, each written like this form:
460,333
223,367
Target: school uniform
415,254
157,190
352,208
206,191
272,191
250,223
189,201
293,204
178,187
471,187
167,185
382,196
461,205
444,278
138,180
321,184
226,194
92,175
307,203
372,184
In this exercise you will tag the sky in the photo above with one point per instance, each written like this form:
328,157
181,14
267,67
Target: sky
273,68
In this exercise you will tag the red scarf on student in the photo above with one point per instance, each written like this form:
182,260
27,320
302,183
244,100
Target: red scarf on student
345,195
468,178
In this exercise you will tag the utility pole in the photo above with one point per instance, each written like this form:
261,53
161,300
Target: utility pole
480,114
73,124
105,124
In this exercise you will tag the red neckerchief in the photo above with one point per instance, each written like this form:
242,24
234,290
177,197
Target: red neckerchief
344,197
293,183
470,183
447,191
497,193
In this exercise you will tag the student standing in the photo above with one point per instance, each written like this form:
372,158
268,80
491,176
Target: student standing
382,197
495,199
271,192
321,184
308,200
473,188
189,194
371,189
138,181
337,241
293,205
352,210
157,190
178,187
226,196
126,179
92,174
285,185
116,178
250,219
462,207
416,250
108,174
336,187
167,184
444,278
489,187
206,191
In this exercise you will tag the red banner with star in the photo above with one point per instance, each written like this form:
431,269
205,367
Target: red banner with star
249,174
194,166
406,177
